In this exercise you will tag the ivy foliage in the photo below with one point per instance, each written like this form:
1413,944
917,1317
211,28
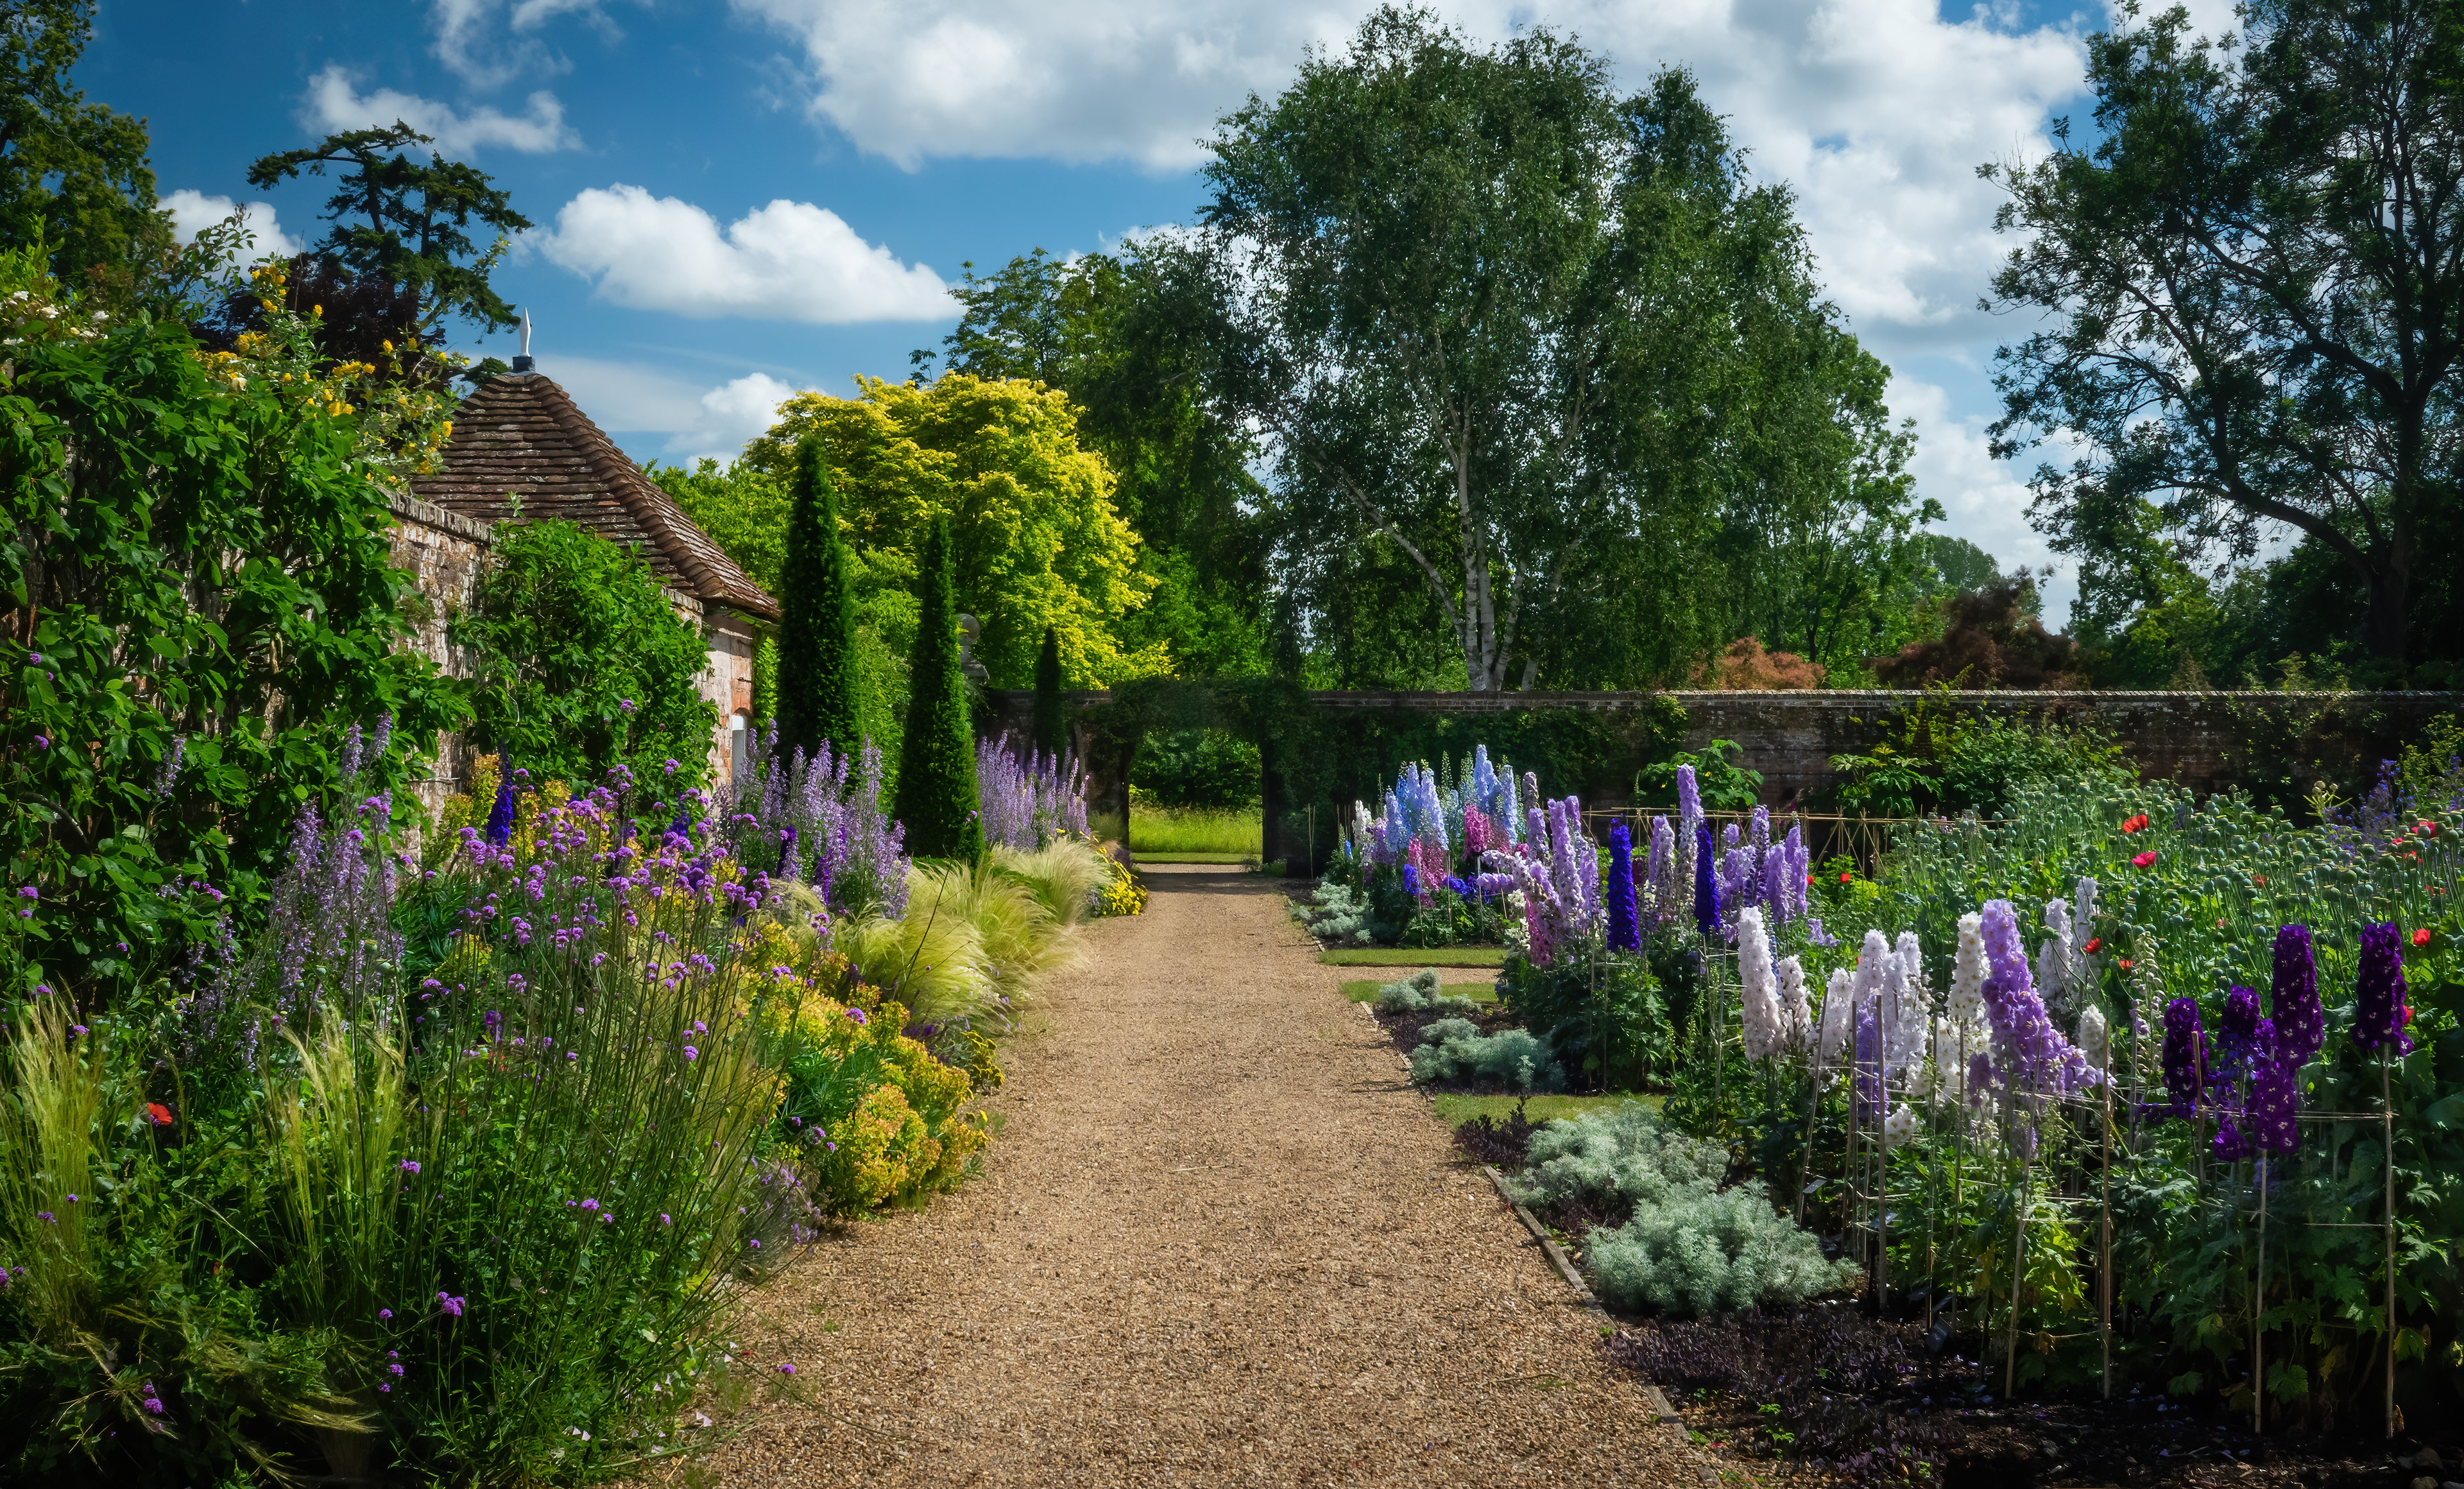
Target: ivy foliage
200,604
581,663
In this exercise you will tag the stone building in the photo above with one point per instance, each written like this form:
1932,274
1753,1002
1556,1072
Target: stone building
522,451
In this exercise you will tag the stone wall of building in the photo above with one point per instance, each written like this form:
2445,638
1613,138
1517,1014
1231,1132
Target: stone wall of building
445,551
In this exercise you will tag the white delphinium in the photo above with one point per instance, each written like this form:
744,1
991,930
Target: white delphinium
2054,974
1948,1073
1795,1014
1904,1009
2053,980
1765,1034
1899,1126
2083,915
1968,972
2094,1040
1875,965
1838,1018
1518,930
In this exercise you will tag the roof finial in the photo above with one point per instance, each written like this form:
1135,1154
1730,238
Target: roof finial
522,361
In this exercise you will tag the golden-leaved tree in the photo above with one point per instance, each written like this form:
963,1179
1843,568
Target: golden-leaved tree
1039,541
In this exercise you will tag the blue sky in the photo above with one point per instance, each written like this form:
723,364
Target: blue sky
736,201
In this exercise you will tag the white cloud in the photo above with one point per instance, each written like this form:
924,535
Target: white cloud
630,398
1878,111
333,103
193,212
1987,499
1081,81
470,45
786,261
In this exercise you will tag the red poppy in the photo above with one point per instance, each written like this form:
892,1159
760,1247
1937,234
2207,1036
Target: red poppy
2135,823
1844,878
159,1114
2426,828
2143,859
2260,880
2421,937
2093,942
2125,964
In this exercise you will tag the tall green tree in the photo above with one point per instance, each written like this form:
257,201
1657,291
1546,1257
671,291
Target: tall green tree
2252,280
818,686
936,798
1117,333
1548,348
72,175
1050,724
403,232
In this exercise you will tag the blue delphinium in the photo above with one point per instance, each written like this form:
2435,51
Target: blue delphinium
1624,930
1706,885
501,817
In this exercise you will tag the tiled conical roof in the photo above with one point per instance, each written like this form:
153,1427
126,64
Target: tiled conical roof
521,439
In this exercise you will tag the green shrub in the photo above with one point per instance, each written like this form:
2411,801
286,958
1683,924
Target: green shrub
1690,1247
1339,916
583,664
1705,1253
1454,1048
200,605
1613,1161
1420,992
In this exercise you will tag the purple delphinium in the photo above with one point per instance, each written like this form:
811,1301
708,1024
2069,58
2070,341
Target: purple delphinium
501,817
2185,1057
2237,1037
2301,1024
1869,1066
1624,928
1663,862
2379,1014
1706,885
2274,1093
2030,1055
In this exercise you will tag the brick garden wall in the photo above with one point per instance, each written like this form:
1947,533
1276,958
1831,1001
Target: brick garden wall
1791,736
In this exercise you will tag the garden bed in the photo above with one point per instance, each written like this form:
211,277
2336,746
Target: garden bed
1829,1390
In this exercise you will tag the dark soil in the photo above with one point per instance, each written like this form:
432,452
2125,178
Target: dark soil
1944,1422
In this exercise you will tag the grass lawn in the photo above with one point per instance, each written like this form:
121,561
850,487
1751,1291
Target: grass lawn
1397,956
1453,1108
1146,857
1478,992
1195,830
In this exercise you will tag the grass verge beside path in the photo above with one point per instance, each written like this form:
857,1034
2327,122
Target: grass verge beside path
1453,1108
1145,856
1427,956
1478,992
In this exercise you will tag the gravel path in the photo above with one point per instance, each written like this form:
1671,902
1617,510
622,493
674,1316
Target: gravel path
1221,1241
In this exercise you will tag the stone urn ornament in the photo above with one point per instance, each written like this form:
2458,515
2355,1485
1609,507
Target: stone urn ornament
970,632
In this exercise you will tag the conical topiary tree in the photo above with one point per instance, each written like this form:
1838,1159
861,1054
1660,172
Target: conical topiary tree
1051,726
817,664
937,761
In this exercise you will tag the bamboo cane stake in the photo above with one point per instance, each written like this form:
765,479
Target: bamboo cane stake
2018,1257
2104,1240
2386,1119
2259,1312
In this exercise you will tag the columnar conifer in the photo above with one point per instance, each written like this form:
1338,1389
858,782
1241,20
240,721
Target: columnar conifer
936,767
1050,726
817,664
